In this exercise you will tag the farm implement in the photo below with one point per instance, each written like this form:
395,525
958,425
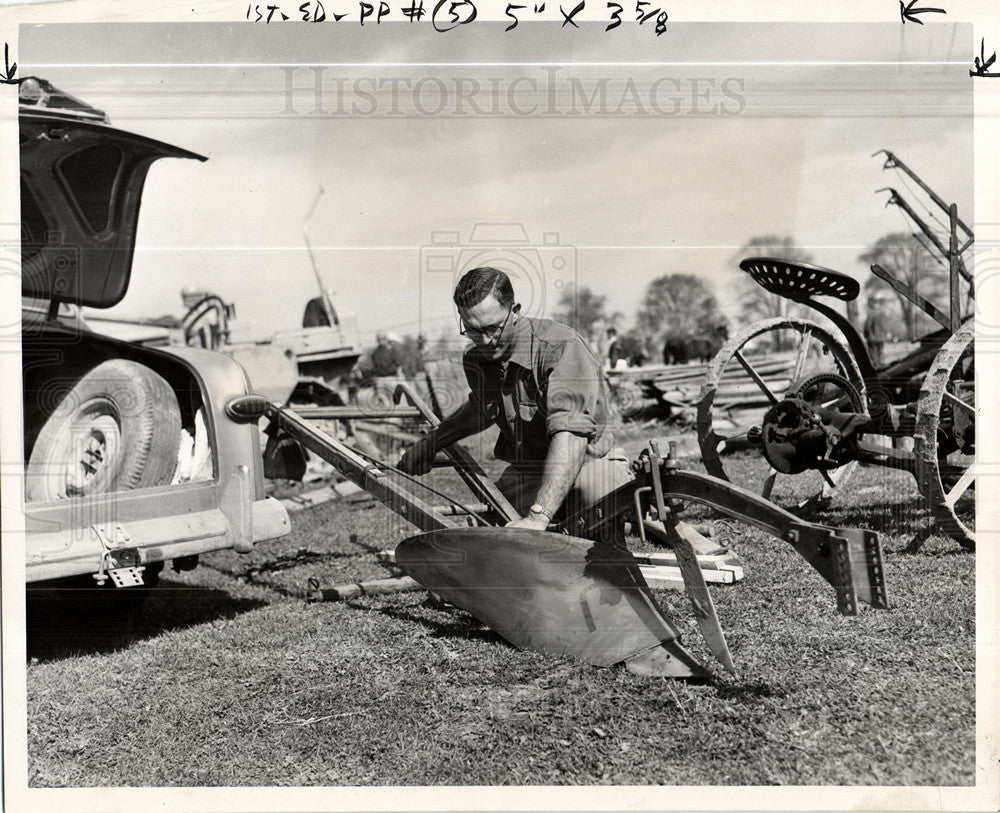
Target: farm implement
834,409
571,589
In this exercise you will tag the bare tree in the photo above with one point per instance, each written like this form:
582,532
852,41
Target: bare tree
581,309
679,304
905,257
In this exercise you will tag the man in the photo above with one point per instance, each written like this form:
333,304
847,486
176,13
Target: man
877,330
538,382
387,368
613,352
386,360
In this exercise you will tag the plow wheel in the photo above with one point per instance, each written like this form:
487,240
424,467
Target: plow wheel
945,438
752,372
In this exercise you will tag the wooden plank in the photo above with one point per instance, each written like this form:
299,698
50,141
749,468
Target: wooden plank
668,574
386,432
375,587
320,413
309,499
669,559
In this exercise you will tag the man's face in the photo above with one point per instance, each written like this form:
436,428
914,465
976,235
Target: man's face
490,327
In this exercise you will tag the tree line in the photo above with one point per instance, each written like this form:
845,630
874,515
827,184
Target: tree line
684,305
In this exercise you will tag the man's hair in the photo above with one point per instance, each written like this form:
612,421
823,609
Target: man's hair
478,283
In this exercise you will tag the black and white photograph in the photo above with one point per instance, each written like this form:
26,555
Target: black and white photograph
474,405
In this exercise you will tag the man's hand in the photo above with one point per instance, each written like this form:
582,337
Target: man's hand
536,522
537,519
419,457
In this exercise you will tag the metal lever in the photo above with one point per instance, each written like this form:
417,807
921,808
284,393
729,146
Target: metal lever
469,470
678,537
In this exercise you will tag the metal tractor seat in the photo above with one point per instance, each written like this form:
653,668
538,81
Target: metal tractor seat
799,281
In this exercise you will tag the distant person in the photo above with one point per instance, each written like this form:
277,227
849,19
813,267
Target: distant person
614,352
877,330
387,361
412,353
387,366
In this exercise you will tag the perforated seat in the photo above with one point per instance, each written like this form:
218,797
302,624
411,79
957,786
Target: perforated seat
799,281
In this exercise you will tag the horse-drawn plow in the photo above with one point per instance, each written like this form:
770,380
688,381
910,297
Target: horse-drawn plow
804,395
835,409
570,590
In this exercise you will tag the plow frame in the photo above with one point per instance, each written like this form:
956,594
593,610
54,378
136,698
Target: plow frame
849,559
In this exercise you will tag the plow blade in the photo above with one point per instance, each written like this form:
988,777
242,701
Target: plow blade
551,593
681,537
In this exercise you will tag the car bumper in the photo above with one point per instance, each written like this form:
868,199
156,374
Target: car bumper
106,546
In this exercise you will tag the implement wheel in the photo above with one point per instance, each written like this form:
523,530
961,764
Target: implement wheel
944,444
752,372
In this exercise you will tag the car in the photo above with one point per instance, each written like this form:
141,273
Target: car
132,457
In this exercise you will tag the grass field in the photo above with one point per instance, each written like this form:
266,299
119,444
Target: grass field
226,676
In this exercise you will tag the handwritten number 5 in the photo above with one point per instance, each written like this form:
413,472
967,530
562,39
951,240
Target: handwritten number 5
456,19
511,7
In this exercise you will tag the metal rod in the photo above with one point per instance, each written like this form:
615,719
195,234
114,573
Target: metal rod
898,200
465,464
926,306
945,253
331,312
360,471
954,295
757,379
892,162
454,510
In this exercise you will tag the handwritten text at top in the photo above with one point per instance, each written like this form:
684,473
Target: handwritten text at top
446,15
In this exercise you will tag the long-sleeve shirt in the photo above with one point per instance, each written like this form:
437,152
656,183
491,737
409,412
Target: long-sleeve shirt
551,383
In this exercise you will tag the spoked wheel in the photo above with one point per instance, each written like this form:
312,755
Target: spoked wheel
944,443
752,372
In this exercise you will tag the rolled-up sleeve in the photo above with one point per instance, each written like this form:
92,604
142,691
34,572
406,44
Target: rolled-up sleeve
572,391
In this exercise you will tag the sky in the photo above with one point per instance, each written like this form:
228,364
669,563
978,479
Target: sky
567,158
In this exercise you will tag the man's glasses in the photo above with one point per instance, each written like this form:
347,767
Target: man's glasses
488,332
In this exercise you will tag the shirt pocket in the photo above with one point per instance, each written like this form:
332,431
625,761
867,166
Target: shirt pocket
528,400
527,410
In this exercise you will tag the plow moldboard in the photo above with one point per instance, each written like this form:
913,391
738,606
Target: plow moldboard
550,593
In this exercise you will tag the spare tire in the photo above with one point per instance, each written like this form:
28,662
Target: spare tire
118,428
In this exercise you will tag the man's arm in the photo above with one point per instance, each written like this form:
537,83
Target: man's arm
468,420
562,465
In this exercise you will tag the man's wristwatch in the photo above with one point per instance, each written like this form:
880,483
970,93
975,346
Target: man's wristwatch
538,511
